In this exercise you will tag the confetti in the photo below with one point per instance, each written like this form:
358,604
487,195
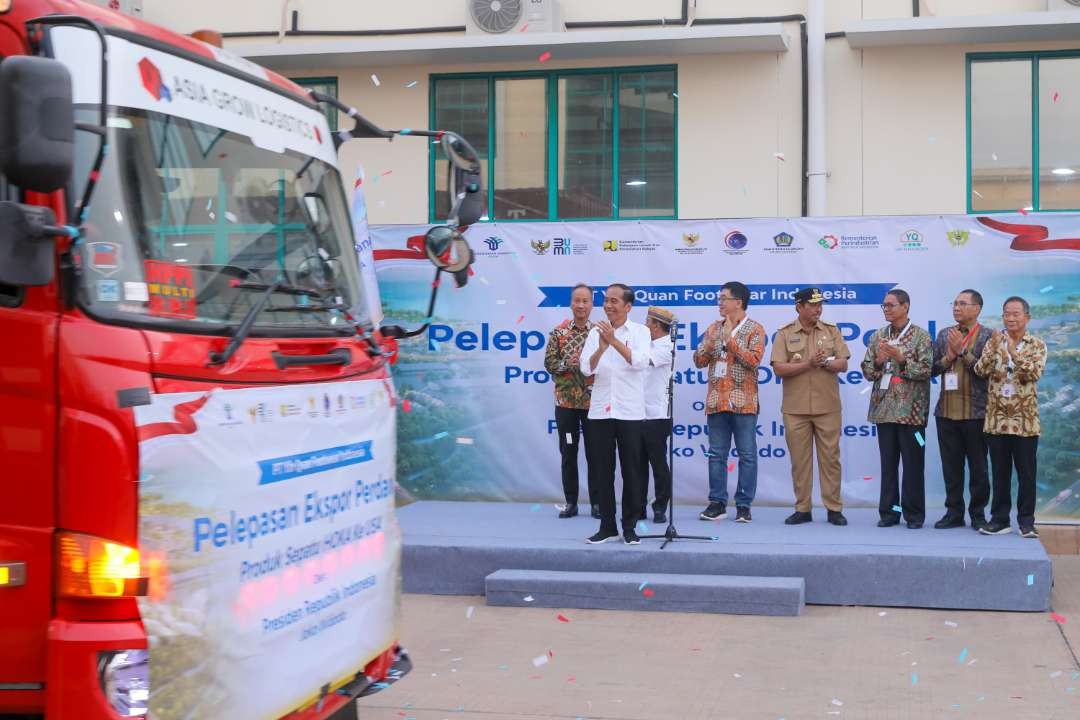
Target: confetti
882,614
405,131
837,703
524,27
375,79
1023,211
867,477
540,660
642,586
387,172
648,592
1059,619
544,57
642,526
1046,289
919,439
528,598
950,623
731,467
411,84
1031,580
520,318
978,195
1055,96
979,562
562,618
440,435
469,611
500,302
779,156
1056,674
914,679
485,281
866,389
464,441
406,405
535,507
994,156
962,657
737,675
675,95
897,508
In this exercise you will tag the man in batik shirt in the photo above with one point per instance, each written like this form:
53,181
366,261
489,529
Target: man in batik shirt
573,392
898,361
1013,361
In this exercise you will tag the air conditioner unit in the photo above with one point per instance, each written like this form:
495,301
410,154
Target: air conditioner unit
128,7
1061,5
494,17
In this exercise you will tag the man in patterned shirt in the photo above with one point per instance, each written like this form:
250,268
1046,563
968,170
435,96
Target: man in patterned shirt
897,361
1012,362
572,394
732,350
961,412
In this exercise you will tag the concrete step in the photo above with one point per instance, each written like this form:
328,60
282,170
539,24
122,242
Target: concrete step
731,594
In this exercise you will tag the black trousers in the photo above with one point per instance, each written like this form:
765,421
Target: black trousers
573,425
897,446
655,454
1007,451
961,441
624,436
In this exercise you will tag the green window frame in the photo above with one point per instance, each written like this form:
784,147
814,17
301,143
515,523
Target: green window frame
327,86
551,78
1034,57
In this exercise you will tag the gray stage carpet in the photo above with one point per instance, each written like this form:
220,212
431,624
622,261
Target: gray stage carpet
451,547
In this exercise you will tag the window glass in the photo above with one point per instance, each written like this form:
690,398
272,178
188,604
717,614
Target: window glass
646,144
461,105
586,146
521,149
1001,134
1059,121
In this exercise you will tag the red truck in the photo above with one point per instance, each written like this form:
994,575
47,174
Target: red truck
196,412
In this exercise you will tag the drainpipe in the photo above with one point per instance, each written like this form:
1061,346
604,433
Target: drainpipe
815,171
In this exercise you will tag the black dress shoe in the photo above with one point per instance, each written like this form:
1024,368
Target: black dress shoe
568,512
798,518
949,521
914,525
837,518
596,511
659,517
888,521
977,523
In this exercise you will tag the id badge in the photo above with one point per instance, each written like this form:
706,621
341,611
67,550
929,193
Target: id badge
1007,390
720,370
952,381
886,380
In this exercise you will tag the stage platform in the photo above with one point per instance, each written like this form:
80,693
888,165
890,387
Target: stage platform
449,548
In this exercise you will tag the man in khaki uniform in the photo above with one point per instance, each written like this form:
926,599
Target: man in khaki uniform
808,354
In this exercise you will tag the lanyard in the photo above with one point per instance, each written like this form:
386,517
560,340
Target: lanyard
898,338
734,334
1019,347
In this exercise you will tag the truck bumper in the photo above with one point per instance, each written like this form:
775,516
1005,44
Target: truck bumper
72,685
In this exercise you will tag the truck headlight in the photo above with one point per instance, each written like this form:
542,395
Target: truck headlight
125,681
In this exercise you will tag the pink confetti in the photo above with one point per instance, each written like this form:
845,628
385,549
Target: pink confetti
435,283
524,27
1060,619
731,467
545,57
387,173
562,618
520,318
1023,211
648,592
867,477
406,405
779,156
1056,96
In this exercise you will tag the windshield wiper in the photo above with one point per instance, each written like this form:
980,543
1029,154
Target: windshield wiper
244,329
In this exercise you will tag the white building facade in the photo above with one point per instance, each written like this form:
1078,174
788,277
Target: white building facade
630,109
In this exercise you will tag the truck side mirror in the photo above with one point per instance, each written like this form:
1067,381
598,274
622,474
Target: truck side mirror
468,204
26,255
37,123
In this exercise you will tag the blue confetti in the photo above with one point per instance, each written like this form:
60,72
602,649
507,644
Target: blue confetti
715,537
1031,580
897,508
1047,289
1076,676
411,84
433,345
919,439
642,526
405,131
963,656
914,679
642,585
535,507
440,435
979,563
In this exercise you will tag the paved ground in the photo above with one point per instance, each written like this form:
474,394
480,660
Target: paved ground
475,662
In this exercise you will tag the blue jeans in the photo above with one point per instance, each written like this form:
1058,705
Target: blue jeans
722,427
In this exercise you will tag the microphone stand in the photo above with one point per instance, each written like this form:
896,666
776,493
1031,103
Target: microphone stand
671,534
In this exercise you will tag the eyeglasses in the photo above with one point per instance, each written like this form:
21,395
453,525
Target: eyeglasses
724,299
965,304
889,306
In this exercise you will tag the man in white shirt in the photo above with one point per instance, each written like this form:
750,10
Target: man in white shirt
616,354
657,414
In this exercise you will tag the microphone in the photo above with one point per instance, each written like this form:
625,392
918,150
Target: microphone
673,330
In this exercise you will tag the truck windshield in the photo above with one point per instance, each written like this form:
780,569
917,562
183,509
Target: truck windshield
187,219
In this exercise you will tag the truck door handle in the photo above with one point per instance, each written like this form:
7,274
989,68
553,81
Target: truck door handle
340,356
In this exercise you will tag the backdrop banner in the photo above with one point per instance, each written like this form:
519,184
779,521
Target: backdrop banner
481,407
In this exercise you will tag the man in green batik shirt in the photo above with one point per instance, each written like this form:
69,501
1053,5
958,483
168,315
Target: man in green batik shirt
573,391
898,360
